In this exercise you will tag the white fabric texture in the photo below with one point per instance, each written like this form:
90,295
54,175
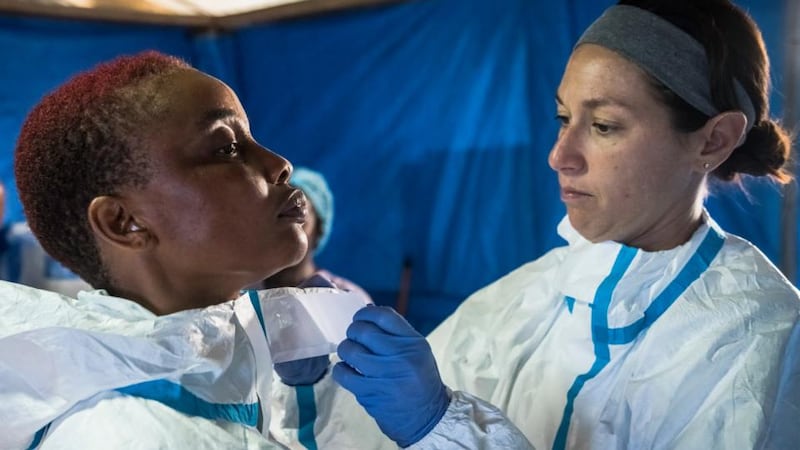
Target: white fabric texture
784,428
114,421
333,428
188,379
341,423
471,423
704,374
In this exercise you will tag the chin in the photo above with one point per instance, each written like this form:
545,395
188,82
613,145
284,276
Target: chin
586,229
291,254
300,249
593,236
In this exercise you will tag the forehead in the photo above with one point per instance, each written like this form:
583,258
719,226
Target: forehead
597,72
188,94
188,106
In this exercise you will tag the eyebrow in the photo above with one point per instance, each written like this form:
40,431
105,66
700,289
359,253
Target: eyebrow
215,115
594,103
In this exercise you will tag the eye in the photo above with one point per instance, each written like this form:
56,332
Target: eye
562,120
229,151
603,128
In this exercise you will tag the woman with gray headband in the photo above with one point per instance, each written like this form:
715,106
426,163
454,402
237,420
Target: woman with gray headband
652,328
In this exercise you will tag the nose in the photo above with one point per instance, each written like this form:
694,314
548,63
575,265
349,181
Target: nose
566,156
278,169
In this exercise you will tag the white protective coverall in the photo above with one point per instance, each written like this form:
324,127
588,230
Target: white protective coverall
101,372
604,346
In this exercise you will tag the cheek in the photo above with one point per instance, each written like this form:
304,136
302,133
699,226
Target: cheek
194,216
629,185
308,227
619,182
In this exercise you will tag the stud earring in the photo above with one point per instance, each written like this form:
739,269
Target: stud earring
134,227
706,165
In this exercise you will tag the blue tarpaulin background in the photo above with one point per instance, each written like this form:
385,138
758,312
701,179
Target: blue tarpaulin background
431,120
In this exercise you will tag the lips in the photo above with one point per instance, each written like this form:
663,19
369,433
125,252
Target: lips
572,194
295,207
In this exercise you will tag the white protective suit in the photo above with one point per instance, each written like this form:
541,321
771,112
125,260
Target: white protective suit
326,416
604,346
102,372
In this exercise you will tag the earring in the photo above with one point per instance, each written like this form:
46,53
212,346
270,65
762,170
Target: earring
134,227
706,165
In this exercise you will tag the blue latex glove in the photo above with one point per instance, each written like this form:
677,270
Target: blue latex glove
391,370
303,371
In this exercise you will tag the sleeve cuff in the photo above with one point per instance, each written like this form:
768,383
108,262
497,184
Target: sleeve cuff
470,422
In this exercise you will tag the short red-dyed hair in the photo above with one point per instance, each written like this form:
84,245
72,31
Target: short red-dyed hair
80,142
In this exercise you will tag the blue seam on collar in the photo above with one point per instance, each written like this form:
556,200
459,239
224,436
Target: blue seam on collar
693,269
602,300
257,306
602,336
37,438
570,303
180,399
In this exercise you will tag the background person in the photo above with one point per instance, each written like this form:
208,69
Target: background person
24,261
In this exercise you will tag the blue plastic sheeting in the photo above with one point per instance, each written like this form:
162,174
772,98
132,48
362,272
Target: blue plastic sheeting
431,119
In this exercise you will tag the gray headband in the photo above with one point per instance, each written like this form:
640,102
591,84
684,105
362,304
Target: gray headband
664,51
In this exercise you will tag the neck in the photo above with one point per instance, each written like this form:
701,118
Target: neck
670,231
161,294
292,276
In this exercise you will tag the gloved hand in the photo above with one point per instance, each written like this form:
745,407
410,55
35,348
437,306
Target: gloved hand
391,370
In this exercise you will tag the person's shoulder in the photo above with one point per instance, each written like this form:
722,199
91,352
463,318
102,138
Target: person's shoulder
112,420
530,285
748,270
541,268
22,307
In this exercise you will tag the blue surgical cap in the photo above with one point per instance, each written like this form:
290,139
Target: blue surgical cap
315,187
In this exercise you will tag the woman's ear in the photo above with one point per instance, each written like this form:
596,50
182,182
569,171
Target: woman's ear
112,223
722,133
